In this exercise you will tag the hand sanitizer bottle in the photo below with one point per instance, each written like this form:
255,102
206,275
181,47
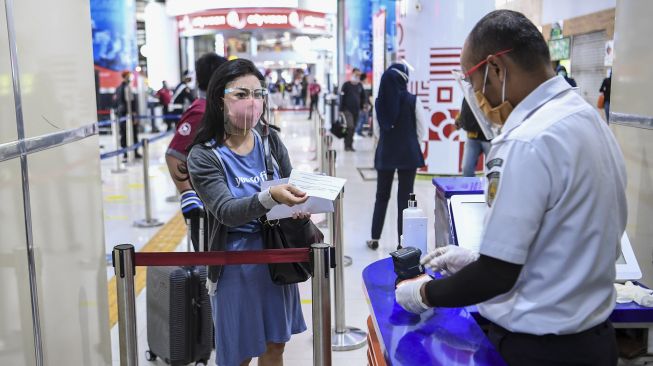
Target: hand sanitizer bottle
414,225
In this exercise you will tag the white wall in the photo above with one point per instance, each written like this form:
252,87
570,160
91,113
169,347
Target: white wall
55,63
555,10
631,84
162,43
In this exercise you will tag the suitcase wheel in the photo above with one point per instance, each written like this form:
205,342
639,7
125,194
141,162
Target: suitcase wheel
150,356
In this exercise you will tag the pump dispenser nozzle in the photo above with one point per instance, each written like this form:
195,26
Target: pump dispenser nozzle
412,200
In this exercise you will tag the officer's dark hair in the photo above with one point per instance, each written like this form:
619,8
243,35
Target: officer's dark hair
212,125
506,29
205,66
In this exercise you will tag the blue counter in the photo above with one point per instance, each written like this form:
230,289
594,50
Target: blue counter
439,336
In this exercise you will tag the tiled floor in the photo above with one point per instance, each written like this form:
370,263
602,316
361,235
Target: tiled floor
124,204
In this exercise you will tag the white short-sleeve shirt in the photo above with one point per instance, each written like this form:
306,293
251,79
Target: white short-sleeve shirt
556,191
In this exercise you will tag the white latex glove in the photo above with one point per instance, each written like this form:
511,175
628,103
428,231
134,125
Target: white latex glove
630,292
408,294
449,259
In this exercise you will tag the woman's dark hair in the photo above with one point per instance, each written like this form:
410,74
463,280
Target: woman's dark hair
212,125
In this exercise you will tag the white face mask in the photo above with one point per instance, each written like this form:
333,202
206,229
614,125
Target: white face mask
490,130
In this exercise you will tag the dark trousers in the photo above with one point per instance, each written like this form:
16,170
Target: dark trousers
351,119
123,133
383,188
596,346
172,122
314,100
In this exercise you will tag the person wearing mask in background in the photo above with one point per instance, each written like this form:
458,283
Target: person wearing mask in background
124,100
544,275
352,100
165,97
476,143
191,206
605,89
562,71
182,97
253,317
401,125
314,90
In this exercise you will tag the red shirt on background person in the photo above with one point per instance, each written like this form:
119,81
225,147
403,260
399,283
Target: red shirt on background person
164,95
189,123
187,129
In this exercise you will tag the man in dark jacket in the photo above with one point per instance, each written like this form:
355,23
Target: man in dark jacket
125,103
352,100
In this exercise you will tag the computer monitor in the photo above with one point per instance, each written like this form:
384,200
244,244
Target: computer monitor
467,220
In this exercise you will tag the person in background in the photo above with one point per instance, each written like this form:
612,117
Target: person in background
177,153
124,100
476,143
296,92
401,125
165,97
365,110
352,100
314,90
556,195
562,71
253,316
605,89
182,97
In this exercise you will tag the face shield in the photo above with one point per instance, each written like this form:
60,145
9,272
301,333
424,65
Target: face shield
489,129
243,109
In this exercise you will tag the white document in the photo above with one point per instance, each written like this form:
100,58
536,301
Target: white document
313,205
316,185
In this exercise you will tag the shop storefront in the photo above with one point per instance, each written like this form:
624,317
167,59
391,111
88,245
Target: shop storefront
287,44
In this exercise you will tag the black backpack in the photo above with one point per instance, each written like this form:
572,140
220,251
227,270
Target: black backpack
339,126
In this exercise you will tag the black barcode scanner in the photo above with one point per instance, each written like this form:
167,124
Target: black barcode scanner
406,263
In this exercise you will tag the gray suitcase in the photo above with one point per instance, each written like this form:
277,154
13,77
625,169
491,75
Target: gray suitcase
179,324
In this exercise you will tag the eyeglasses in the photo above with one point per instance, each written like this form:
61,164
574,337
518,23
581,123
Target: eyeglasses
245,93
466,75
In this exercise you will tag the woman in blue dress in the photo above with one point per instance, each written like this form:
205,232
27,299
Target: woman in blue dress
253,317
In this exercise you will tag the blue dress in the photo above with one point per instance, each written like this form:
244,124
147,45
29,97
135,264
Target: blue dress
249,310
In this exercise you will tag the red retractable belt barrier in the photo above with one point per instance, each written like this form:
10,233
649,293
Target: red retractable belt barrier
222,258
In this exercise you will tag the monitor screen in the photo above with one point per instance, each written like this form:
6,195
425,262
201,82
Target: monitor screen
468,216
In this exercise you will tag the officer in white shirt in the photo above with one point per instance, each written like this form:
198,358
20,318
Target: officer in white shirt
557,208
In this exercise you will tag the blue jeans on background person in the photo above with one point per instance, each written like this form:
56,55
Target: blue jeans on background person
362,119
473,149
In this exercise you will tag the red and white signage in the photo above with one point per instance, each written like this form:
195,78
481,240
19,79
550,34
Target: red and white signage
430,39
254,18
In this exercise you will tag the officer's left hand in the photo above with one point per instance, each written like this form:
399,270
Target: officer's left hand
408,294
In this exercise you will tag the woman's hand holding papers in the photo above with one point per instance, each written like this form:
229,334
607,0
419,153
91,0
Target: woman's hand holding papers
288,194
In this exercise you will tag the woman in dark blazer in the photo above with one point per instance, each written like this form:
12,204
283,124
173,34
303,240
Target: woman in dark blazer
401,126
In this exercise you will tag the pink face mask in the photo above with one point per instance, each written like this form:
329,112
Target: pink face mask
242,115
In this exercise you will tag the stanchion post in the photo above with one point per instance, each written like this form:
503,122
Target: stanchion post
321,289
148,221
327,140
115,130
129,131
123,265
343,338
